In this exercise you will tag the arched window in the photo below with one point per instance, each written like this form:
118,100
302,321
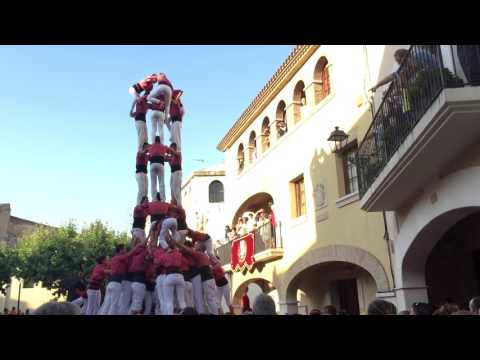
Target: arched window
240,158
321,77
299,100
252,146
265,134
215,192
281,119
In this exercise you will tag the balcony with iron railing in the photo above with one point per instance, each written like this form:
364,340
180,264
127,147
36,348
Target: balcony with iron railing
429,114
268,246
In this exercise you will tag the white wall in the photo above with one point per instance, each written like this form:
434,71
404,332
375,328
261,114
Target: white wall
196,203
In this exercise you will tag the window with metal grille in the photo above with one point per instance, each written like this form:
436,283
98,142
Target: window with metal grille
215,192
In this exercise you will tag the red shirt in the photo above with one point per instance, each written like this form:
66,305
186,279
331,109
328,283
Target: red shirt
158,208
140,211
162,79
175,159
147,83
157,149
119,263
201,259
199,236
142,158
138,263
141,107
185,266
176,110
245,303
171,258
98,273
218,272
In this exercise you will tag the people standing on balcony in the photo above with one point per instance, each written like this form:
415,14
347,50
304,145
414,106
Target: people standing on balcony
223,287
145,85
156,156
177,112
141,172
273,221
140,213
174,157
246,301
162,94
140,116
94,296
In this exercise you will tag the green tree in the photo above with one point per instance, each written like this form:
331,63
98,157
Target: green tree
9,262
56,256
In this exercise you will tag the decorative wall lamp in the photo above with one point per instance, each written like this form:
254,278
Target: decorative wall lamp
338,137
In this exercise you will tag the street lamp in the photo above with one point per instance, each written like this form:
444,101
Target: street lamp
337,136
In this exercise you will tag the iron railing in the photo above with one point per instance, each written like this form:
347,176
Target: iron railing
427,70
264,238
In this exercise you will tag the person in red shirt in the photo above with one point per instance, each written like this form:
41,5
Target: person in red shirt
172,261
156,156
141,172
174,157
168,228
162,94
203,283
140,116
177,111
143,85
246,301
203,238
140,213
158,211
118,269
223,287
150,275
157,119
137,269
94,296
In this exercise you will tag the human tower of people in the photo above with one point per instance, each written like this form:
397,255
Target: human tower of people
174,267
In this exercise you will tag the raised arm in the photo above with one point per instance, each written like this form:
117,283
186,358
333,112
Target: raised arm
384,81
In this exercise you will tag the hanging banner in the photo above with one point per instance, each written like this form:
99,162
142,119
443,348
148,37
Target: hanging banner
243,250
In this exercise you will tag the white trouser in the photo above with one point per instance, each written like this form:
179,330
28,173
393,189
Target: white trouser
157,176
209,291
138,295
198,294
161,292
167,96
81,303
156,301
176,131
174,283
139,234
223,292
148,302
157,119
176,186
180,236
142,136
142,181
93,302
125,297
112,298
168,224
189,294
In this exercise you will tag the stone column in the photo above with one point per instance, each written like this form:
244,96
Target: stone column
406,296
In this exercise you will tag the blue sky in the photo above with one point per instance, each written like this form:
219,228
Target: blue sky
67,144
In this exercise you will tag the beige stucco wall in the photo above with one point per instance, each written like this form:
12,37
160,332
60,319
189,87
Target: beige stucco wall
305,150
